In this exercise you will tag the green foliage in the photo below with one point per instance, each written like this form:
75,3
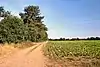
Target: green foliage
11,30
32,18
65,49
31,15
4,13
27,28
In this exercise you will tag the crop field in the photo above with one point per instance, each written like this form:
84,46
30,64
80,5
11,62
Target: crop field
63,50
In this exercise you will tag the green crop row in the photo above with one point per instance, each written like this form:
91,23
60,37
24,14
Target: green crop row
64,49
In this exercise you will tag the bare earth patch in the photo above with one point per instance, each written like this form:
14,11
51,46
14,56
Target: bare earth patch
73,62
29,57
6,50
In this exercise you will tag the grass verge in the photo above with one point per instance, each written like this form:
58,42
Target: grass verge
8,49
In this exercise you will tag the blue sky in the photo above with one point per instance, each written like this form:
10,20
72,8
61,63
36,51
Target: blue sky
64,18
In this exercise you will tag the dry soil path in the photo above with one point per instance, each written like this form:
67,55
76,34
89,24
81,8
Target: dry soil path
30,57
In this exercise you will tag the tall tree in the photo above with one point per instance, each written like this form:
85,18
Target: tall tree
27,28
33,18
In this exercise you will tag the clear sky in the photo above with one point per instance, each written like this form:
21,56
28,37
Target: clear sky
64,18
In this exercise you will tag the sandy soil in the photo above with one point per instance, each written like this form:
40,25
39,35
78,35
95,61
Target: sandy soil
30,57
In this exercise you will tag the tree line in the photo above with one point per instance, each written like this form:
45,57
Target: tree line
72,39
29,27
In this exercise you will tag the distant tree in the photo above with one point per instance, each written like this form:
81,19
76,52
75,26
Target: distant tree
92,38
67,39
60,39
4,13
77,39
97,38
